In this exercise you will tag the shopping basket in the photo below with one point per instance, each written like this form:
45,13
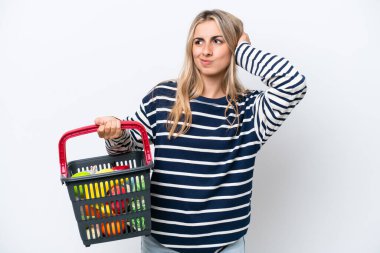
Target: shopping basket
110,194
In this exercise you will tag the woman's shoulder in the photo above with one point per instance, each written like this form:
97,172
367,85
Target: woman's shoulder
170,84
166,88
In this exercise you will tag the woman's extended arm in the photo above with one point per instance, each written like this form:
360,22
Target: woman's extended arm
120,141
286,86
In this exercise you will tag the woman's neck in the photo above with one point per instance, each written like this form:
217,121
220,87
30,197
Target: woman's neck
212,87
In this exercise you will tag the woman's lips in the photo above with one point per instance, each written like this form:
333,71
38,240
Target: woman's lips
206,62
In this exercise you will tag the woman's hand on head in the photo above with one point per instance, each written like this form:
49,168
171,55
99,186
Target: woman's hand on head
109,127
244,37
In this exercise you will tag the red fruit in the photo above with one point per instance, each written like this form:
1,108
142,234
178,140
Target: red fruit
122,167
117,190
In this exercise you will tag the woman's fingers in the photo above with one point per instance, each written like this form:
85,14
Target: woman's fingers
99,121
114,130
101,131
118,129
244,37
109,127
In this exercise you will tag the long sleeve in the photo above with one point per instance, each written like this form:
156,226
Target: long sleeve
131,139
286,89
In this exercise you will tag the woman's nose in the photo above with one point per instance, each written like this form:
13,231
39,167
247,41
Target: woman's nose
207,49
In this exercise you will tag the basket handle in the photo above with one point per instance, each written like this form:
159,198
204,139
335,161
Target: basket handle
94,128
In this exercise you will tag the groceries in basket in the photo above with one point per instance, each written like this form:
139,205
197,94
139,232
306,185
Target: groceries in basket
109,194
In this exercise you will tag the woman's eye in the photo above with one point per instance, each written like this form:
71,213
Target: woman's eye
197,42
218,41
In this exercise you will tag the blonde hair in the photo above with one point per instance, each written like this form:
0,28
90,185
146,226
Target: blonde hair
189,83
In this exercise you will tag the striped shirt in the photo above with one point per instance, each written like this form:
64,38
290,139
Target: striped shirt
202,181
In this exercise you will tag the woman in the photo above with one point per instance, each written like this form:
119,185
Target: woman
206,130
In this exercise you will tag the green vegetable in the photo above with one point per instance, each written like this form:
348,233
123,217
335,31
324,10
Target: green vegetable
80,193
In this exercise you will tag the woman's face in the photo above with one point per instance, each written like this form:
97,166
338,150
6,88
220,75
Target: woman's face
210,50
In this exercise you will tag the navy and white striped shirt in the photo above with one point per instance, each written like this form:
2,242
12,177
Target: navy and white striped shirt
202,181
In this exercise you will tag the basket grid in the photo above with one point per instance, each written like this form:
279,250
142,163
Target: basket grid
98,167
111,206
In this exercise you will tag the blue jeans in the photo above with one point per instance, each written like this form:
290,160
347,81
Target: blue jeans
151,245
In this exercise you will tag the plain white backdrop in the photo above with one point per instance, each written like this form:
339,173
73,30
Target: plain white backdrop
62,63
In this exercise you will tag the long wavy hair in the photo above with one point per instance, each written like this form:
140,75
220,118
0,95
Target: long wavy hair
190,84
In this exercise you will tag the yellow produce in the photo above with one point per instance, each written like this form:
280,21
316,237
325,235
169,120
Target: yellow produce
104,187
108,184
108,170
98,190
105,210
87,190
92,190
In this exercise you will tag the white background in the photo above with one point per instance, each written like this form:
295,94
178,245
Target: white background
62,63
